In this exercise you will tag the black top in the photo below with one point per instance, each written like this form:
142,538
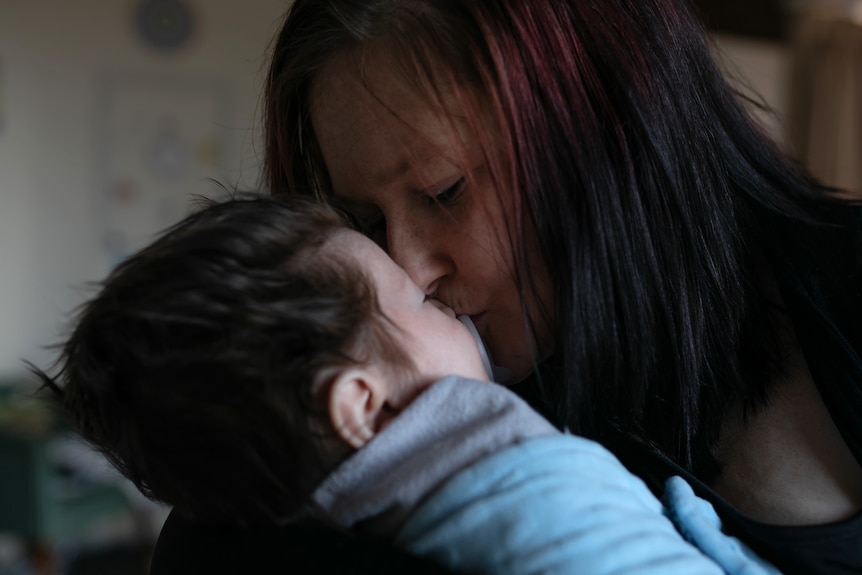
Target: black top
827,314
185,548
834,548
826,309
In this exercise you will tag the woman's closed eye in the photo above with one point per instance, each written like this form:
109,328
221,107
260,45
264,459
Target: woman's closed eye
447,195
373,225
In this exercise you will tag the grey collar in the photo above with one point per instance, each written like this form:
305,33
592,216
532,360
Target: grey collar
454,423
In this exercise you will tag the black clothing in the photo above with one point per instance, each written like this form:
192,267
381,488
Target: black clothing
185,548
822,292
833,549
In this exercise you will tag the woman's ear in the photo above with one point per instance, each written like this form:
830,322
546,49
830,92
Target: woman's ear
357,400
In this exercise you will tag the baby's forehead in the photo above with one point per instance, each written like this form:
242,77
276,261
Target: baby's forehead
357,251
350,250
347,242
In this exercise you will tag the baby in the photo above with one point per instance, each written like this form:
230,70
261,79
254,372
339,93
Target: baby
262,362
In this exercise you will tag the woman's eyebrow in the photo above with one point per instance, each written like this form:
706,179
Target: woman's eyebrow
386,176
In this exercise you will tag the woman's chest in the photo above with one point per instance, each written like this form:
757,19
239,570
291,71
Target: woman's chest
788,464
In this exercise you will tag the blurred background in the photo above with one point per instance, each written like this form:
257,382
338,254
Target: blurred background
114,112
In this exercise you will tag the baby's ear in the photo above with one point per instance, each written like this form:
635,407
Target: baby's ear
356,402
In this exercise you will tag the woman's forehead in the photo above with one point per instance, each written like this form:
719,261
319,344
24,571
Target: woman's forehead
380,86
378,127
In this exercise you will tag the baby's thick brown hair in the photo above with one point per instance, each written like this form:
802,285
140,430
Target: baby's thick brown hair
195,367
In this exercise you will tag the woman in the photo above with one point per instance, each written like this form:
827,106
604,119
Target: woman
579,178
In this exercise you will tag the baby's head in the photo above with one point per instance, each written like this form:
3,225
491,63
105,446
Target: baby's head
229,365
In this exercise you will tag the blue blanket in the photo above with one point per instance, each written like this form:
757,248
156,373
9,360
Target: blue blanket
469,475
563,504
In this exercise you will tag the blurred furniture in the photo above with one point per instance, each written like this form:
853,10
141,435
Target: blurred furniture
41,502
826,92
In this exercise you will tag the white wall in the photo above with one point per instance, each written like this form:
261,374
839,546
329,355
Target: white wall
56,57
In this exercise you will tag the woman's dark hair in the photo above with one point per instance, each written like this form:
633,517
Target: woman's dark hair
195,369
655,198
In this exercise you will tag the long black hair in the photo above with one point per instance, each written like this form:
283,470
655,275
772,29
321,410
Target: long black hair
658,203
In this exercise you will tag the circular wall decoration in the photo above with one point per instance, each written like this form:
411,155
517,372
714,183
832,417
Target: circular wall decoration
164,24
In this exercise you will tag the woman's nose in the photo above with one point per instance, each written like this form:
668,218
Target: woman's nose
420,252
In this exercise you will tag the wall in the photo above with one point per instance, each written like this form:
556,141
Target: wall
58,63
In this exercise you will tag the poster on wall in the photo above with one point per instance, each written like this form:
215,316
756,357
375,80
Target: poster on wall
162,142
